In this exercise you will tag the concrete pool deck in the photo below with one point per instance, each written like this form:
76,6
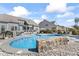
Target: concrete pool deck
6,48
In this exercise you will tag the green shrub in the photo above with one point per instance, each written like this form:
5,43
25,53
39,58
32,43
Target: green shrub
60,32
75,32
8,33
46,31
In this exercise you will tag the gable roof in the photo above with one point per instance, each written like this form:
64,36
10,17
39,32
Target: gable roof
44,23
8,18
29,21
14,19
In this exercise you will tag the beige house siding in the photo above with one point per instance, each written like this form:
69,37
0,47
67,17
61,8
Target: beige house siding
8,22
46,25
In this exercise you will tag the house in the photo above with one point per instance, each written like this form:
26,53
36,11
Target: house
62,29
46,25
17,24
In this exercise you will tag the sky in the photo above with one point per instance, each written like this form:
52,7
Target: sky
63,13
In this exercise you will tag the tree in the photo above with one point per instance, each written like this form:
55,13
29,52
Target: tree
76,21
53,22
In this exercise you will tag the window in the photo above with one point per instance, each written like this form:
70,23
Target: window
15,27
24,28
46,24
32,26
2,28
27,28
12,28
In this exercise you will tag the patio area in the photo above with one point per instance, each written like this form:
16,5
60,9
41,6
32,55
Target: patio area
71,49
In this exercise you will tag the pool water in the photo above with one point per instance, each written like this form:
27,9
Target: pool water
30,42
24,42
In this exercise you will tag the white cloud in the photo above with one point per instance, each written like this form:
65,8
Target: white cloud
60,6
41,19
56,6
38,20
66,14
44,17
71,8
19,11
70,20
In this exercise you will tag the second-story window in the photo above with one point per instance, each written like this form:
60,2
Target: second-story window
46,24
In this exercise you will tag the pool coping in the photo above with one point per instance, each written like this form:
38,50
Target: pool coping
5,47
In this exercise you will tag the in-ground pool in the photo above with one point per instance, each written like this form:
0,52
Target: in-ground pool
29,42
